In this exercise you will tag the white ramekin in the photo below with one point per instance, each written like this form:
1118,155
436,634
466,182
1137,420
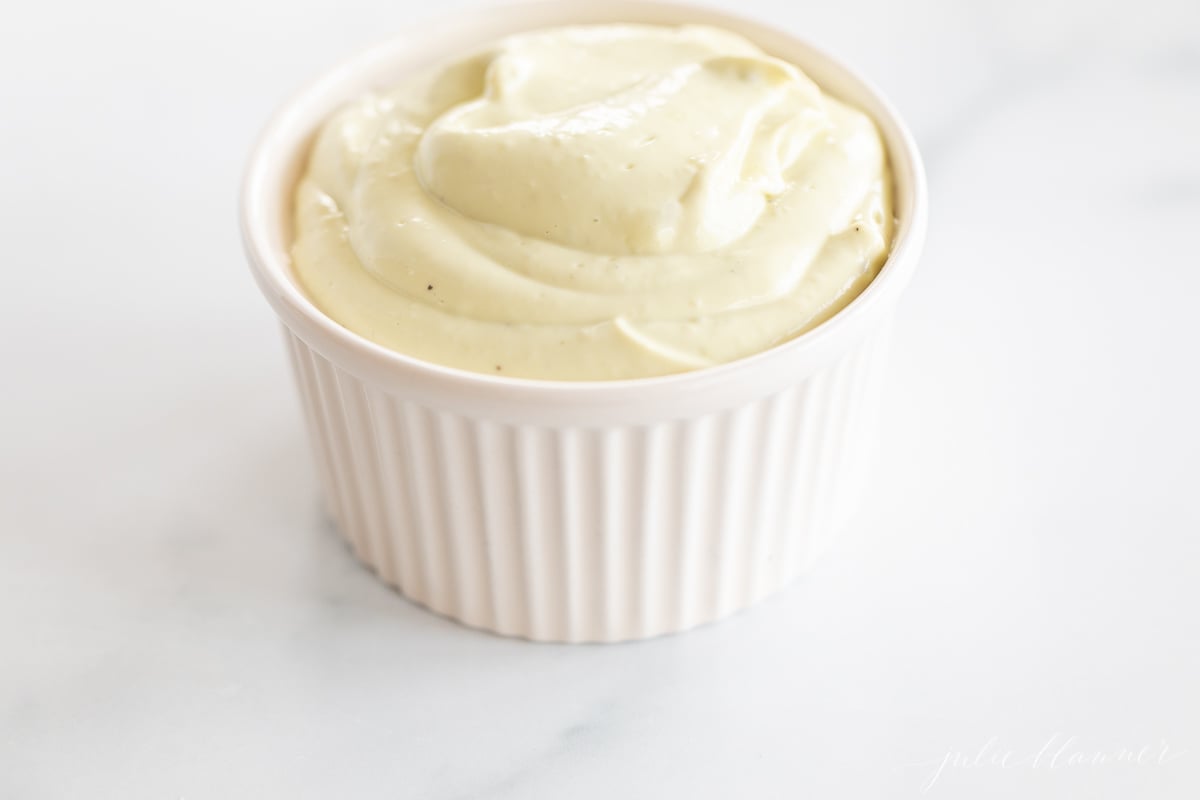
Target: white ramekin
575,512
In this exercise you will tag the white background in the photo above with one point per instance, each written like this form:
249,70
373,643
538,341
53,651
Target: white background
177,621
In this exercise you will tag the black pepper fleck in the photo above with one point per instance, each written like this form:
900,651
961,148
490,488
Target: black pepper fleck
429,288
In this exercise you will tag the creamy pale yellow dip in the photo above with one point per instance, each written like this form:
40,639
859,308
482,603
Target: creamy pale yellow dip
593,202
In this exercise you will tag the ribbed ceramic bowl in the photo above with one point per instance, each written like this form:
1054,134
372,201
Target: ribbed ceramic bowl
575,512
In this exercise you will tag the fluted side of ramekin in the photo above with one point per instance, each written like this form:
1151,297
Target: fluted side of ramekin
592,534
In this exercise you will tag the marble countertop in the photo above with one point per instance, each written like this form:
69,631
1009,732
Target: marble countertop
1014,616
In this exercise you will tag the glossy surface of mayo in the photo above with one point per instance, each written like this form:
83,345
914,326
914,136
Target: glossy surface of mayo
591,203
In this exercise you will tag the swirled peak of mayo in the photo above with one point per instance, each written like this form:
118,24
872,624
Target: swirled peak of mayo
593,202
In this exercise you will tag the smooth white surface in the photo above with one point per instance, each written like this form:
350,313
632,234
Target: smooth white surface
176,620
